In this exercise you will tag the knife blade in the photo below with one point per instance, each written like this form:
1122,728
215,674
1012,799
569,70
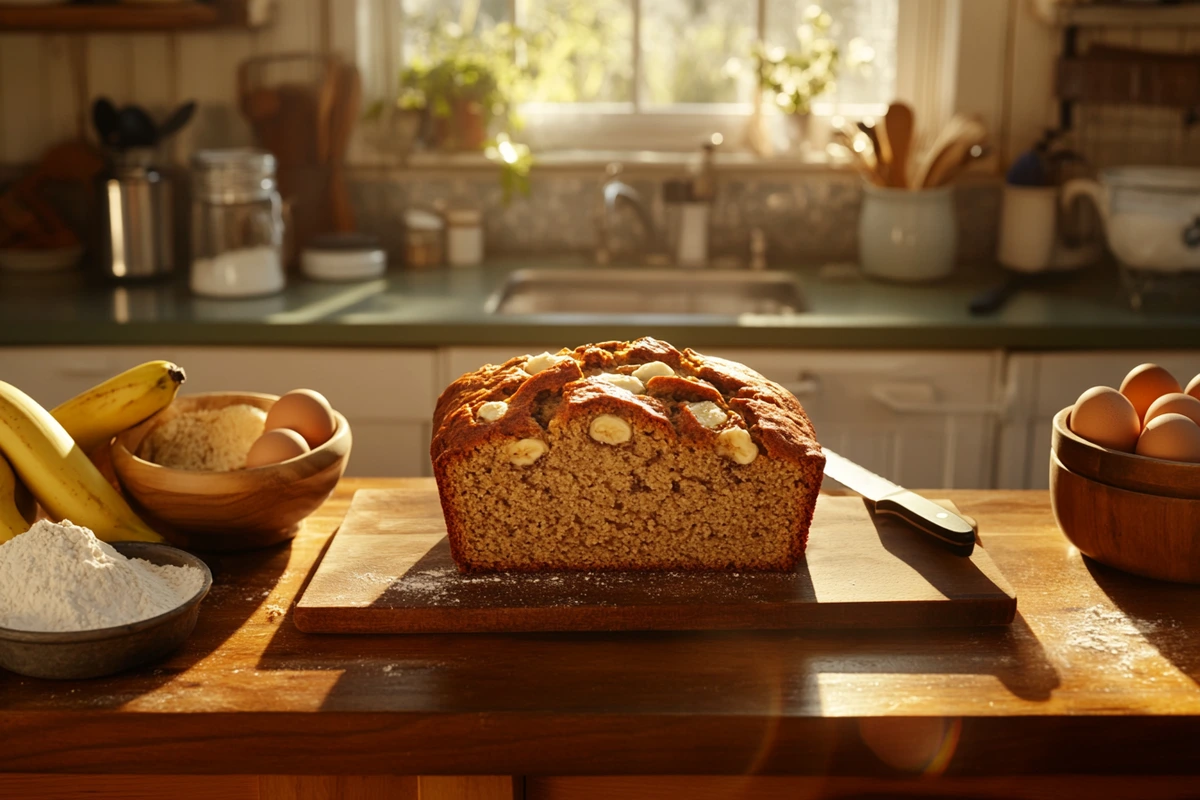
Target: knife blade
947,528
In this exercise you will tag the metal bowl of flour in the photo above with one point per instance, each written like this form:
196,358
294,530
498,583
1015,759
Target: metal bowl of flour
104,651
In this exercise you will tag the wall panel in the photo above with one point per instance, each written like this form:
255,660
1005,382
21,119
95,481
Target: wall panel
40,102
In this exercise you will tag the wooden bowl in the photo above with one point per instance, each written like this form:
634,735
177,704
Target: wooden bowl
1120,469
1103,506
225,511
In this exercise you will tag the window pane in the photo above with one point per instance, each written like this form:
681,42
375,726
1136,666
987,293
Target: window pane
697,51
431,27
861,28
580,50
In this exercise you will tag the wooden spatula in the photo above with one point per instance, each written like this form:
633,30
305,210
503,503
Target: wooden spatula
898,127
950,151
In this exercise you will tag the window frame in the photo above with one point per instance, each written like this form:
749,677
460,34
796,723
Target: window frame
930,75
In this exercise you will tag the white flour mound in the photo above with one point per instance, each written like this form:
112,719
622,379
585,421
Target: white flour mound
60,577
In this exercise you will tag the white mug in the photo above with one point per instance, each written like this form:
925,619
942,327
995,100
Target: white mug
1028,238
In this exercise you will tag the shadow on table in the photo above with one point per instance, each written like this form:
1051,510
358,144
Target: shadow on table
241,584
976,581
1167,614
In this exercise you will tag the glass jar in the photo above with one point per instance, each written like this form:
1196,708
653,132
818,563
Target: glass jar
424,239
237,224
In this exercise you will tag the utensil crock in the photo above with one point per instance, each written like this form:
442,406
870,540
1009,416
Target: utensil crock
907,235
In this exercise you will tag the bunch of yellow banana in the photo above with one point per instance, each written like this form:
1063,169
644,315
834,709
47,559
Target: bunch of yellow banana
17,513
96,416
48,451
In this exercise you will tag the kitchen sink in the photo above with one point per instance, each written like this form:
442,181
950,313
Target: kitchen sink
604,290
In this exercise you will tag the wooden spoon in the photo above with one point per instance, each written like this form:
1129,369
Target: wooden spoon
872,133
864,158
898,125
950,151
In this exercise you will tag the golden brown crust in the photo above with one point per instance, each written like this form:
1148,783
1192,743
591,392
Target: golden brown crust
569,389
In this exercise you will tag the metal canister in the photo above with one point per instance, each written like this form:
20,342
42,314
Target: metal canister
136,222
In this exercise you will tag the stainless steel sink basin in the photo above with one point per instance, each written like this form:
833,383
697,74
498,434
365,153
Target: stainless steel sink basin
603,290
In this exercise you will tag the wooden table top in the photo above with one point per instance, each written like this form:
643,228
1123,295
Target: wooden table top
1099,673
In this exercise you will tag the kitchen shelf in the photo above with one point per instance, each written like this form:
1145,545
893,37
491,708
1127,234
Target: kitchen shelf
1128,15
181,16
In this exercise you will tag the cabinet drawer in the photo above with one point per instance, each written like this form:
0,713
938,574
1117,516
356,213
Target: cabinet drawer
390,450
362,384
1062,377
52,375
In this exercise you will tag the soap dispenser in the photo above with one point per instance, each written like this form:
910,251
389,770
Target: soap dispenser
692,242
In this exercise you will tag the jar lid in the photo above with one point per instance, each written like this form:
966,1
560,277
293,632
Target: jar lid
465,217
416,219
233,175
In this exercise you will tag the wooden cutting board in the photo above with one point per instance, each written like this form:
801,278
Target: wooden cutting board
388,570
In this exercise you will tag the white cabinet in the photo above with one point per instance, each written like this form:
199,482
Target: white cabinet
386,394
920,419
1045,383
923,419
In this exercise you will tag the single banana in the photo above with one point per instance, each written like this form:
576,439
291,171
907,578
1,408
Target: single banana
14,519
59,473
121,402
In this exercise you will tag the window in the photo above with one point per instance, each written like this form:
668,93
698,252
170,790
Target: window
651,74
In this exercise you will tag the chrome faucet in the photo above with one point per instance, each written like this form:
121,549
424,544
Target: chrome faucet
618,192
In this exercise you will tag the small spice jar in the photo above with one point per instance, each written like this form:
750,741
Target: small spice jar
423,239
237,224
464,237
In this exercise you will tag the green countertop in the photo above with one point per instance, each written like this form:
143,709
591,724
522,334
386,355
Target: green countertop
446,307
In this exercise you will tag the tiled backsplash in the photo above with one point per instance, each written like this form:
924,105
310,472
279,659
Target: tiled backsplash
807,216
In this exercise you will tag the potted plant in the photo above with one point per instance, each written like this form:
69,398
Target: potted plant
792,77
460,95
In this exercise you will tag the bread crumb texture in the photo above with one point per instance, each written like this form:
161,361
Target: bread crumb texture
673,494
213,439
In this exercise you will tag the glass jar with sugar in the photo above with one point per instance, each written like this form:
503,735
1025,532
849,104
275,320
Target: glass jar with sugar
237,224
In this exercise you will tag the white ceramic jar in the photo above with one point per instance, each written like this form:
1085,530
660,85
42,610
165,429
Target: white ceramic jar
907,235
464,237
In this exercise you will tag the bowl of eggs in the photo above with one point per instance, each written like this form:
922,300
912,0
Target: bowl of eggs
1125,475
233,470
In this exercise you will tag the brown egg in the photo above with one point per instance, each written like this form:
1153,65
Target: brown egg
1174,403
1171,436
306,412
275,446
1105,417
1193,387
1146,383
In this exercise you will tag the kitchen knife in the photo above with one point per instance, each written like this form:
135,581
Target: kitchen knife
949,529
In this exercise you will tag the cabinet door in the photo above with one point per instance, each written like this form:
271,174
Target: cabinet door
924,419
921,419
51,375
1049,382
386,395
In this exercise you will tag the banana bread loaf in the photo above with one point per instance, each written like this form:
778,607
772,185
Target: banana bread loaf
624,456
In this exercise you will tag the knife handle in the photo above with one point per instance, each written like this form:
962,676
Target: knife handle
951,530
